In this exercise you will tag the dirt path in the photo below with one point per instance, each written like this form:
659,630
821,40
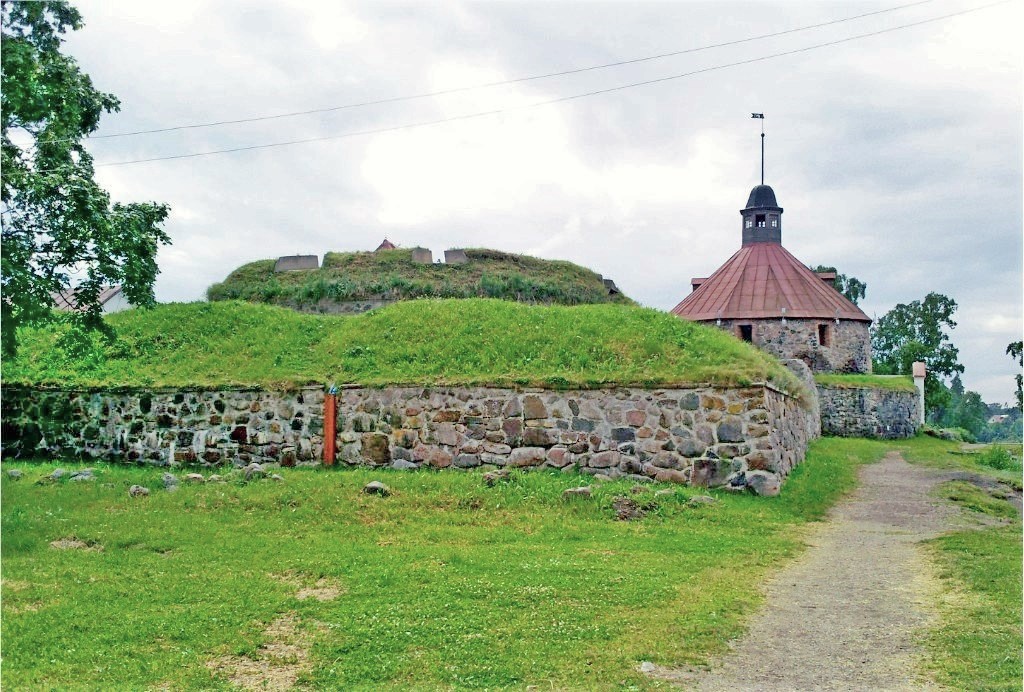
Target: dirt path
843,616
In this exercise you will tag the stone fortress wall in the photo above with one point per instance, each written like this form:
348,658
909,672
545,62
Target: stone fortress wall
705,436
868,412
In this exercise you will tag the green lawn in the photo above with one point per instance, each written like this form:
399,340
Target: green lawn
977,645
447,583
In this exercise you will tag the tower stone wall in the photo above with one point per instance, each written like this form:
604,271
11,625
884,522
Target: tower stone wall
847,347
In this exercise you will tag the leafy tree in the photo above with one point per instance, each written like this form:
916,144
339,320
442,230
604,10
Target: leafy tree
917,332
57,223
1016,350
850,286
972,414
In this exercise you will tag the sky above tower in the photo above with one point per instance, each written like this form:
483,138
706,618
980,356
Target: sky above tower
897,156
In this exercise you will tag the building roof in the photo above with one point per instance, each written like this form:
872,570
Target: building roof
761,280
762,196
68,299
386,245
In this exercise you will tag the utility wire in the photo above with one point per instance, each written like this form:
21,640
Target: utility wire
562,99
519,80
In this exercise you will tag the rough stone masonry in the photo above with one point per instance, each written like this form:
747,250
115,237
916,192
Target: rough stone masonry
705,436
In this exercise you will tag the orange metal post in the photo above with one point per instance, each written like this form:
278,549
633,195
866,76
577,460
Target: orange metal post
330,419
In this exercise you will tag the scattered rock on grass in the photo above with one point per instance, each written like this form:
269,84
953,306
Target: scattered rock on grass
376,488
570,493
138,491
700,501
14,474
170,482
665,492
51,477
647,667
254,470
215,478
83,475
627,509
764,483
73,543
638,489
276,477
195,478
602,477
493,477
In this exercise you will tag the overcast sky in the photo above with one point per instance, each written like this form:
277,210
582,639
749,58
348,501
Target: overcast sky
897,157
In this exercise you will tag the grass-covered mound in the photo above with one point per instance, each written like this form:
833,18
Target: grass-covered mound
895,383
392,275
462,342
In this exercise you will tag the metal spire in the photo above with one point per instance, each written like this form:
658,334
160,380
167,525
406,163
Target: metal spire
760,116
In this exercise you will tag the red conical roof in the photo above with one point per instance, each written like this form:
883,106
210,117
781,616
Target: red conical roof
386,245
758,282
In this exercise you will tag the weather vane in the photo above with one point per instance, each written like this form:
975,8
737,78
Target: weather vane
760,116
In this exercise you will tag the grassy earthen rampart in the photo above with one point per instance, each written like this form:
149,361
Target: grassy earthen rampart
392,275
422,342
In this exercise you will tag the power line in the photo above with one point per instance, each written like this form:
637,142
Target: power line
519,80
561,99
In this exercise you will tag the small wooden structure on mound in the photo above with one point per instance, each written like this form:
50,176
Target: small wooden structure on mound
768,297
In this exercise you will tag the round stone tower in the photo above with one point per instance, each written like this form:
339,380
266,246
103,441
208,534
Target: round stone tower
766,296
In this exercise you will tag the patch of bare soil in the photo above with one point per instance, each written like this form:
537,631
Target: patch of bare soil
996,488
323,589
847,614
14,585
30,607
72,543
277,664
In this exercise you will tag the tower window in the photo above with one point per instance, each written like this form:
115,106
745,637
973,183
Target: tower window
775,222
749,223
760,220
823,334
745,332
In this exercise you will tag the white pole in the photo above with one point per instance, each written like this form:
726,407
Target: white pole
919,373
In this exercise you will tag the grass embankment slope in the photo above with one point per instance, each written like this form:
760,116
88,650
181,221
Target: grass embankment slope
445,584
392,275
422,342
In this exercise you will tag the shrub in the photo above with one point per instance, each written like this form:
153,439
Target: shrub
1000,459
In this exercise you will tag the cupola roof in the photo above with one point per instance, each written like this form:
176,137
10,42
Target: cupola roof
762,197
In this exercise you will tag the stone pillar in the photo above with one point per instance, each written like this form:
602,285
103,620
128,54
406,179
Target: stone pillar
919,373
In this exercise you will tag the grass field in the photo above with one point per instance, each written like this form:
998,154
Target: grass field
392,275
447,583
454,342
977,645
